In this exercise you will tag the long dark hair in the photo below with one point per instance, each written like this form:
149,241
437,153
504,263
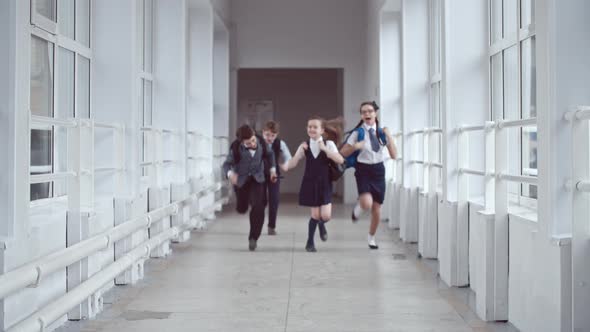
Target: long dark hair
333,128
376,108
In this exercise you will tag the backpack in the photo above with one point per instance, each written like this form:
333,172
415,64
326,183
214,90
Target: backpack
350,161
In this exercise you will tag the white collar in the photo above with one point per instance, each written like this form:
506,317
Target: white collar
316,140
367,127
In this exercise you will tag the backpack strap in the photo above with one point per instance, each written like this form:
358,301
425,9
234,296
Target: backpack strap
382,135
360,134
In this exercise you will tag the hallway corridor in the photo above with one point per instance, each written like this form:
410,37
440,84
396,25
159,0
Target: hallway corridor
213,283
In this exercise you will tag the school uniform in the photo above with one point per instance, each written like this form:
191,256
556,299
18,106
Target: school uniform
250,189
316,185
370,170
282,155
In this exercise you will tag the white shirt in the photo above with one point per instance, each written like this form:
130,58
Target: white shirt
315,148
367,155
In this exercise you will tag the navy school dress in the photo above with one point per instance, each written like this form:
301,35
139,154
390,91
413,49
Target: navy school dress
316,186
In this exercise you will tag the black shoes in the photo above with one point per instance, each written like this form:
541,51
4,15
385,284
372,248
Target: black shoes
323,231
354,218
252,244
271,231
310,247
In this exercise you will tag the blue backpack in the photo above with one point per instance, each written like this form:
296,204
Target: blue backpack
350,161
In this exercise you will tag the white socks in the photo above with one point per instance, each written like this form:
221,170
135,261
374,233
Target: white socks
358,211
372,242
371,239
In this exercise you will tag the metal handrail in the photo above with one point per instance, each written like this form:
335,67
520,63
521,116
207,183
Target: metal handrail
580,113
43,178
583,186
108,125
519,178
472,171
31,273
50,313
517,123
42,122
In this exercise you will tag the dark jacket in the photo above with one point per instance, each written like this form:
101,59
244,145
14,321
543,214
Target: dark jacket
249,165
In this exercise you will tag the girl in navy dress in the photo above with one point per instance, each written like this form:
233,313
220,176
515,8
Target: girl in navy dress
370,171
316,185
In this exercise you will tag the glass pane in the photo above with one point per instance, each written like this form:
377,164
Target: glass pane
511,112
83,21
41,77
83,103
496,20
147,103
140,36
529,78
511,84
41,161
148,35
66,17
65,85
510,18
497,87
437,36
435,90
529,109
46,8
527,12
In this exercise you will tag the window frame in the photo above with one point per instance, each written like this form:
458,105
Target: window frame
50,33
497,48
435,46
145,75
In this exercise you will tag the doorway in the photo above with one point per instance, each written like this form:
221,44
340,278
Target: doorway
290,97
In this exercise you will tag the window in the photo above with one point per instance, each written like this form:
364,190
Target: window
435,42
145,38
513,83
59,83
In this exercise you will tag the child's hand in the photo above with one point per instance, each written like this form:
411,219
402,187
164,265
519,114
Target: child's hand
233,178
322,146
304,146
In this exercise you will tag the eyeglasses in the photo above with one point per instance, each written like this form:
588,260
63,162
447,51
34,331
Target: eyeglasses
367,111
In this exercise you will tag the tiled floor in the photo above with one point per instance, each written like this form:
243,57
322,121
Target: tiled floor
213,283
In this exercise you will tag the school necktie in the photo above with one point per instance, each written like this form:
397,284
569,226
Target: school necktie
374,140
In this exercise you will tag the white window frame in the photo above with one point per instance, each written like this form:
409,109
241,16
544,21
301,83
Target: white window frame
41,29
435,21
143,77
513,39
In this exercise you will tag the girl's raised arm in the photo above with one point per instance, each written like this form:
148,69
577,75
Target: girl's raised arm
292,163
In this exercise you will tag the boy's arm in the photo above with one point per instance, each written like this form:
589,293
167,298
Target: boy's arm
228,164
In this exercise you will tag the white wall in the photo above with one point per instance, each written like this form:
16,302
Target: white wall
390,71
200,79
466,83
563,68
7,104
221,95
169,88
115,84
306,34
540,279
415,83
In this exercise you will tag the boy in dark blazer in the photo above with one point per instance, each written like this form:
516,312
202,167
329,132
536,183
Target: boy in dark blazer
245,168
